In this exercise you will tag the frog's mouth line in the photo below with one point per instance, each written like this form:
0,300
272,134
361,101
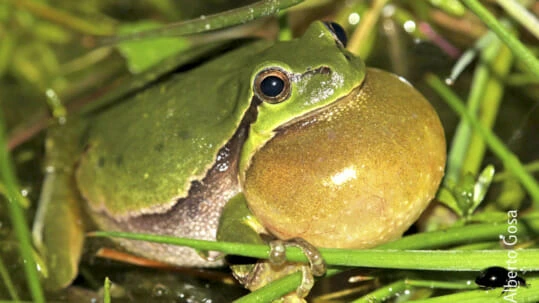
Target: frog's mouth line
307,118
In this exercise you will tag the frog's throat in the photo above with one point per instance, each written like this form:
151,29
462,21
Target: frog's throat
255,141
315,112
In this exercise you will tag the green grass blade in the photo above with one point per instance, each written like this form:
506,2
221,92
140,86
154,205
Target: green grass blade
7,176
509,159
228,18
521,15
274,290
4,274
519,50
375,258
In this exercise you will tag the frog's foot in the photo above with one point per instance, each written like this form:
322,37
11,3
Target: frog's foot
316,268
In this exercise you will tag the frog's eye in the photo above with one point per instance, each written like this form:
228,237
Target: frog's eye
338,32
272,86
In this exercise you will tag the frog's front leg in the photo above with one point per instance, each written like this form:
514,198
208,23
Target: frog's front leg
237,224
58,230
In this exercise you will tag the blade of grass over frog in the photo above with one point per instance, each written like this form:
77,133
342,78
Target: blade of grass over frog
212,22
521,15
388,258
7,176
63,18
510,160
8,283
526,226
259,251
519,50
446,260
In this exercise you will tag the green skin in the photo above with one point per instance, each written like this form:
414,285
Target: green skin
168,159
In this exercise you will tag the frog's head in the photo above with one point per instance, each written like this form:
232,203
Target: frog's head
297,78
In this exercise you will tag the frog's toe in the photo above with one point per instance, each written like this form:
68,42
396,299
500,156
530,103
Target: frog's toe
317,265
307,282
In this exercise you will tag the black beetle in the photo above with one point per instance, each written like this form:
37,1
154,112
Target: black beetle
496,276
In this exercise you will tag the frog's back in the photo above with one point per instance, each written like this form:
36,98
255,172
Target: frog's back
142,155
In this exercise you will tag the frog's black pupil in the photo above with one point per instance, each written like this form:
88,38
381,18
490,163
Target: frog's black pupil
339,32
272,86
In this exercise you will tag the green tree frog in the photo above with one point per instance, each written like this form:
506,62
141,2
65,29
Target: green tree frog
321,147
